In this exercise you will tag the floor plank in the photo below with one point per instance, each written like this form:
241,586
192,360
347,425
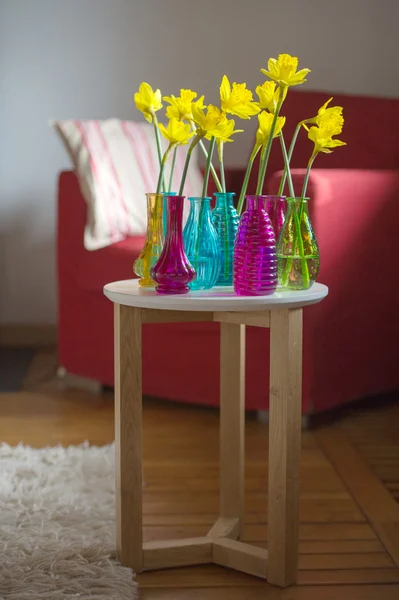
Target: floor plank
343,554
375,501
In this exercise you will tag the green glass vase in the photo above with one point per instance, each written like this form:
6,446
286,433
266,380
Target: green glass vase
298,256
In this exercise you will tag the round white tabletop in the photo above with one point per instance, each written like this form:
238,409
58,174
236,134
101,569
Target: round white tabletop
218,299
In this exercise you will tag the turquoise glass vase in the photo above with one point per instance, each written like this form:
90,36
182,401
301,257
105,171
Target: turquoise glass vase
201,244
225,219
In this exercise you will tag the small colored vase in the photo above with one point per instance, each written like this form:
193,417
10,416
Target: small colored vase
225,219
173,271
202,244
154,241
298,255
165,210
255,260
276,207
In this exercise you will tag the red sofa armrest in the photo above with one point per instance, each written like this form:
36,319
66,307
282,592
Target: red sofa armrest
352,335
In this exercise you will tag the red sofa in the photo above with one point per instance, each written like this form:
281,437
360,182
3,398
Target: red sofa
350,339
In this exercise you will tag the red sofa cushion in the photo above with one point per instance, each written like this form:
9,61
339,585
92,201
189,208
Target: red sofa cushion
370,131
109,264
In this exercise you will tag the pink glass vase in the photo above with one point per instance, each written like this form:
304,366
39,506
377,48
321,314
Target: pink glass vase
276,208
173,271
255,259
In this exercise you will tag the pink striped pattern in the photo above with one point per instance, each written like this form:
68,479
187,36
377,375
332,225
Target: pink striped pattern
117,163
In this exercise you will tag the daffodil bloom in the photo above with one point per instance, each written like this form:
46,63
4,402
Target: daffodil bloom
148,101
283,70
322,138
327,114
180,106
206,122
177,133
224,130
265,125
237,100
268,94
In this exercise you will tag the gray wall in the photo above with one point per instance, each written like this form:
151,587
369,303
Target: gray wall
84,58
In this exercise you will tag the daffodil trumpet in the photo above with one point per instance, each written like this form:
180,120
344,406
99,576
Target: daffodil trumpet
176,133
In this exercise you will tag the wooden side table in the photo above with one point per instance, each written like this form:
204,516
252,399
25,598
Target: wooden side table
282,312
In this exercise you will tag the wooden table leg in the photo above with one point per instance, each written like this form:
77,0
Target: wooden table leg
284,444
128,436
232,421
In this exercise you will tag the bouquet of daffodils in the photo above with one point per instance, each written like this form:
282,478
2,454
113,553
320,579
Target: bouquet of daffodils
190,121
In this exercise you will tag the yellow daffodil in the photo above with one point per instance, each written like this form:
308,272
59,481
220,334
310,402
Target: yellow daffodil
322,137
148,101
332,115
206,122
180,106
224,130
237,100
268,94
283,70
265,125
177,133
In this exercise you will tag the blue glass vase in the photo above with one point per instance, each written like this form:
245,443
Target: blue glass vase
202,244
225,219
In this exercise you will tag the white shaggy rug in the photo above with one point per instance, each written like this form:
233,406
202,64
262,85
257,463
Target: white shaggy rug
57,521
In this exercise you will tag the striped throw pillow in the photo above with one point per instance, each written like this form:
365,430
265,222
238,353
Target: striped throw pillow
117,163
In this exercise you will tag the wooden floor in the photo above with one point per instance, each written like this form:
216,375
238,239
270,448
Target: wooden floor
349,533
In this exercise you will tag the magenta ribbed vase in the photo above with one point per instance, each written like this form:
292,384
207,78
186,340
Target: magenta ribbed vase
255,259
173,271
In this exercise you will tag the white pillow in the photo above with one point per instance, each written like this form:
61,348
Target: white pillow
117,164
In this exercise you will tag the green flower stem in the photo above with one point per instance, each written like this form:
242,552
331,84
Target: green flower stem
161,172
304,264
306,180
287,167
265,160
208,166
205,152
221,163
204,191
172,170
297,241
290,152
246,178
226,237
159,145
194,142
